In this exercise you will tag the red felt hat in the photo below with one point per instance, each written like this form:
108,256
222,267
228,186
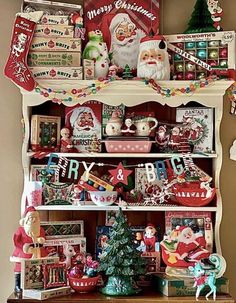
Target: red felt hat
29,209
156,42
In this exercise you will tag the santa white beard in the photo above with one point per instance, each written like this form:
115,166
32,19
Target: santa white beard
126,53
32,229
158,71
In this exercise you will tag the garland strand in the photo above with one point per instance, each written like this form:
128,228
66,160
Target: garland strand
61,95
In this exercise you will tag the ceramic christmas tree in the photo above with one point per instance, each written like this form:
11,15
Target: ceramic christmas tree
121,261
201,20
127,74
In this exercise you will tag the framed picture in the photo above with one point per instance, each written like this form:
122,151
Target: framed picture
197,220
36,173
61,229
142,184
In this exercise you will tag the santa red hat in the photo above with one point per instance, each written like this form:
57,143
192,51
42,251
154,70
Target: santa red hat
29,209
181,228
110,22
162,128
157,42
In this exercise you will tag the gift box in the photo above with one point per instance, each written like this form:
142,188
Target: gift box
179,287
196,56
45,133
54,59
58,73
54,247
54,30
55,44
61,229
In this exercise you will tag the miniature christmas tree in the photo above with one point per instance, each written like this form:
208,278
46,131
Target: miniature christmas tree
201,20
127,74
121,261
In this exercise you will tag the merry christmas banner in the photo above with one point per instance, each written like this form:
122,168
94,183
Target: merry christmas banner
123,24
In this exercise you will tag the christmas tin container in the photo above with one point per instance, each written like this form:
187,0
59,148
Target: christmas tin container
54,59
179,287
45,133
58,73
51,30
55,44
195,56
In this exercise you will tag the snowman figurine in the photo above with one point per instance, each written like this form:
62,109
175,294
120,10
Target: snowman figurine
96,50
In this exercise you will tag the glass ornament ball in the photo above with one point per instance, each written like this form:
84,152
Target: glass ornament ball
213,53
180,76
213,43
190,76
212,62
201,54
201,44
177,57
223,63
179,67
190,67
190,45
191,52
201,75
223,52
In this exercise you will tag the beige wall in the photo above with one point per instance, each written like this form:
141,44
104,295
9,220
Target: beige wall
175,14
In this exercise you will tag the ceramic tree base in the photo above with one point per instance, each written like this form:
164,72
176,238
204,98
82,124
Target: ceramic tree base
120,286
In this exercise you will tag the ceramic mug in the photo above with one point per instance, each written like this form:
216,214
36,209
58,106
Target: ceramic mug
143,126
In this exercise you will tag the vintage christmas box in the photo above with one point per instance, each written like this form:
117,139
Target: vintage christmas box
61,229
85,124
199,55
123,24
55,44
198,125
55,19
59,73
45,133
54,59
56,246
51,30
179,287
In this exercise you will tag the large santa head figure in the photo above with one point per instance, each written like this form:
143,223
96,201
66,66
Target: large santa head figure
122,38
153,60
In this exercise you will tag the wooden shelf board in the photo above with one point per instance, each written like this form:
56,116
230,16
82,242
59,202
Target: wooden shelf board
144,297
125,208
126,155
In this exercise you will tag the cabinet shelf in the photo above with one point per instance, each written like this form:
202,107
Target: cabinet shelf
125,208
127,155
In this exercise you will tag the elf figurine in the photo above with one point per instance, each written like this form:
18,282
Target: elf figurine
79,31
28,240
96,50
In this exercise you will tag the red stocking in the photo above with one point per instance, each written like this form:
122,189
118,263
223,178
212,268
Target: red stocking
16,68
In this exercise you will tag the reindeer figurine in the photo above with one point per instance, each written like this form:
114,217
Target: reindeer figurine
207,274
69,252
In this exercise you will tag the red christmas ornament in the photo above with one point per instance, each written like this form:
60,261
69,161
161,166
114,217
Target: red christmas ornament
120,174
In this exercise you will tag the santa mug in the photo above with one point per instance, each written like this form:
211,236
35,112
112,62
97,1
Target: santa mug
143,126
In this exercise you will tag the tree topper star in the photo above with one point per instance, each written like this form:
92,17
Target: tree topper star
120,174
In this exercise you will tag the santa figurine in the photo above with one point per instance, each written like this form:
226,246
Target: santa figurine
149,238
128,128
175,138
122,38
66,141
153,59
191,246
28,241
216,12
162,137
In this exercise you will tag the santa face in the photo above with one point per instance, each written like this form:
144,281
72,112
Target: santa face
153,63
85,121
125,39
32,224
